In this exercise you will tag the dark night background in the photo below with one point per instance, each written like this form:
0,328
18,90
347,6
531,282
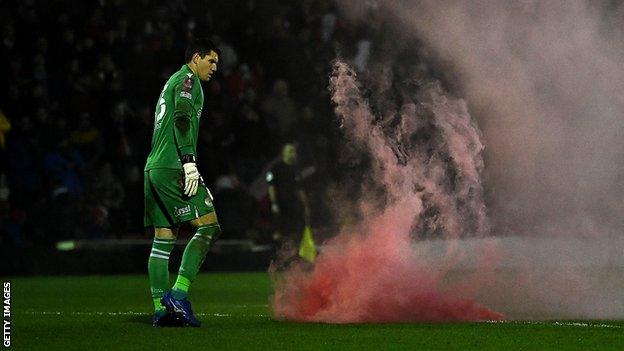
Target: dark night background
81,81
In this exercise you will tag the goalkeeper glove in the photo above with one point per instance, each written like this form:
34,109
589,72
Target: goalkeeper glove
191,175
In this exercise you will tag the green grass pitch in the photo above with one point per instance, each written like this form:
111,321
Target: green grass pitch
114,313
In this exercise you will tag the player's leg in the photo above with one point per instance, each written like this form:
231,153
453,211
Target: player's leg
199,211
158,265
207,230
157,216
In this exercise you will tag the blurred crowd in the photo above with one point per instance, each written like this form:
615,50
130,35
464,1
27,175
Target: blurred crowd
81,83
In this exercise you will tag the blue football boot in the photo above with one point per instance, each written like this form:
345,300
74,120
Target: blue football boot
181,309
166,319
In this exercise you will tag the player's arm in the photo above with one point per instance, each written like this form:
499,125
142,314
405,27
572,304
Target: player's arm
184,97
185,93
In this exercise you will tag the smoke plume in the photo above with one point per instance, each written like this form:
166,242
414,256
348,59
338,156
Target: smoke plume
545,81
371,272
537,238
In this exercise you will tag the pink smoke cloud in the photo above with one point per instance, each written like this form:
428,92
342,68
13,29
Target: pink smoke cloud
545,82
371,272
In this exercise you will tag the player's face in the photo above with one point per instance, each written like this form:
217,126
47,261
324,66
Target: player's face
207,65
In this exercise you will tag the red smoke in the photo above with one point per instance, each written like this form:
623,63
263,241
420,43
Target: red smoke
546,82
372,272
372,278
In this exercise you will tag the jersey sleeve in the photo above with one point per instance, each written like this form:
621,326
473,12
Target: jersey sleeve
184,95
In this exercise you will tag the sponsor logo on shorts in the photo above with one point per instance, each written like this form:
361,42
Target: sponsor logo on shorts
179,212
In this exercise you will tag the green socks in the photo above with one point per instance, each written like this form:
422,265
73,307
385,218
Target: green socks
193,257
180,288
158,269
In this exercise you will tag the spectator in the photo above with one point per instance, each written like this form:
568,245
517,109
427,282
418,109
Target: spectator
5,127
87,140
63,165
235,206
280,110
241,80
12,220
228,58
24,173
109,194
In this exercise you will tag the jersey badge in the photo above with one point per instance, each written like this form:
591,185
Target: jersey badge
188,83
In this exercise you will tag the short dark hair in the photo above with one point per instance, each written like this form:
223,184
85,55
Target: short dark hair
201,46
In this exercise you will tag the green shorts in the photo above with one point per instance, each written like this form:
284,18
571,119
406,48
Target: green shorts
166,205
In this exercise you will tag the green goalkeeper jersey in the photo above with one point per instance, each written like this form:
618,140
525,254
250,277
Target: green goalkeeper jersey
176,121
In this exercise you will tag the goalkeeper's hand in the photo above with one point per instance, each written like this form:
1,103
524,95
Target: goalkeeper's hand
191,175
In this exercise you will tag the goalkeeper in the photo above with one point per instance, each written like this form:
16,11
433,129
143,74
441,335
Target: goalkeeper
174,191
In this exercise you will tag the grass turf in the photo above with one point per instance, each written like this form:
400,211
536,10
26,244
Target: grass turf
114,313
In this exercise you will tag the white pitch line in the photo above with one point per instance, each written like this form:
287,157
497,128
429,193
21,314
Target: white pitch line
131,313
240,306
227,315
578,324
564,324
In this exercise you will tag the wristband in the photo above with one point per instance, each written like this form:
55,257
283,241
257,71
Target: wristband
188,159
